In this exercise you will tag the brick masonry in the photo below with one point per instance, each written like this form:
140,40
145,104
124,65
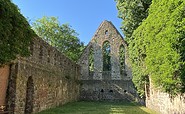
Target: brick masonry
164,103
44,80
112,85
47,78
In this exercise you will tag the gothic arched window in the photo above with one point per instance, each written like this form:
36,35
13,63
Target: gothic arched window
106,50
91,60
122,59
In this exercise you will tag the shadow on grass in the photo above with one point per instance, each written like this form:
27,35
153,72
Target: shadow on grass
84,107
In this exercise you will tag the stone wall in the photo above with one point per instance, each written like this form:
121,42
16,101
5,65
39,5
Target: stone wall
45,79
110,90
94,82
163,102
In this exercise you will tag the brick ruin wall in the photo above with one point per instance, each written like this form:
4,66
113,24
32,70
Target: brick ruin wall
105,85
45,79
108,90
163,103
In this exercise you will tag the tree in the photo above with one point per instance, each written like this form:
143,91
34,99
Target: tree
63,37
157,48
133,12
15,33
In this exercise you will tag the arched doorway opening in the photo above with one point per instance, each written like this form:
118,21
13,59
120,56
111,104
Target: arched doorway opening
29,96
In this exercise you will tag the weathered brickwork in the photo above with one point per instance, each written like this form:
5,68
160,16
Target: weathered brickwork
111,90
163,103
44,80
108,83
48,78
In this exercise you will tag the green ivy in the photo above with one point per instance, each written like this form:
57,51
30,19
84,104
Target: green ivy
15,32
158,47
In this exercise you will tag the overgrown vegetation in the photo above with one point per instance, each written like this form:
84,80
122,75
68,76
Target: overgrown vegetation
99,108
156,38
157,48
133,12
15,33
63,37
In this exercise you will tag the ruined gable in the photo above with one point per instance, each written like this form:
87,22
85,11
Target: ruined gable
103,75
105,33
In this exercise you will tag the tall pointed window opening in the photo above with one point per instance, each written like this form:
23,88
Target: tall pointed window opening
29,96
106,49
122,59
91,61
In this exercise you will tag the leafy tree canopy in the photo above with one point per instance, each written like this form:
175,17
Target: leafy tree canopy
63,37
157,48
133,12
15,32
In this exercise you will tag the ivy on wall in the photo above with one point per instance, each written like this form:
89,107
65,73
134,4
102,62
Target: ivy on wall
15,32
157,48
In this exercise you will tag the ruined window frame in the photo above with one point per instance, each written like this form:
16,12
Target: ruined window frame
91,61
106,32
41,52
106,54
49,55
122,59
31,48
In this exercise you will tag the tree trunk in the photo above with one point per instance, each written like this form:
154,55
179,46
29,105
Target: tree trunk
4,75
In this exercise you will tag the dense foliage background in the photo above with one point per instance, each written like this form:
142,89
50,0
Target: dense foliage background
157,47
63,37
133,12
15,32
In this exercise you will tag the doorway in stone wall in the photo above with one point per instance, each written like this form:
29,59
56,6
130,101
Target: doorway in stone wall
29,96
11,91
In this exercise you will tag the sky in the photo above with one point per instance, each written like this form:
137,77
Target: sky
84,16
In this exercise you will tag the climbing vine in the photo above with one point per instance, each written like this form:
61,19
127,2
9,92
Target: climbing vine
157,49
15,32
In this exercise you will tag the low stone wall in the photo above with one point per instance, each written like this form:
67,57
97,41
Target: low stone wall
113,90
163,103
44,80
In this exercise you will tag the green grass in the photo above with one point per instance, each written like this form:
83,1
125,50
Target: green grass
83,107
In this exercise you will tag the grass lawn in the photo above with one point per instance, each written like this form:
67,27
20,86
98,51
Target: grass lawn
84,107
